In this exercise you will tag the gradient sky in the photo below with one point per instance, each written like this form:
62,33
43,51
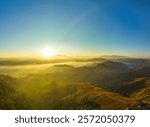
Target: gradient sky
75,26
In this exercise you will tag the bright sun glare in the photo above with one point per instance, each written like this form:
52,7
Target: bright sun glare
48,52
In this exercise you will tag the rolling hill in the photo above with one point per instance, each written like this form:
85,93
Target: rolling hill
104,85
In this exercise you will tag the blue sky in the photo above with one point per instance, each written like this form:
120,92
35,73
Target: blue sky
75,27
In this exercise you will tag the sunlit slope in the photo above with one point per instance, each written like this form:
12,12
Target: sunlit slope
143,92
102,97
53,95
81,96
138,98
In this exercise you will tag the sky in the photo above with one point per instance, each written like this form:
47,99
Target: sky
120,27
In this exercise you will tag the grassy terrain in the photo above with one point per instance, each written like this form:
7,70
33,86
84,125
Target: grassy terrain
101,85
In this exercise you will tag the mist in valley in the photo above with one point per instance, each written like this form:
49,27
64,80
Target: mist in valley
75,83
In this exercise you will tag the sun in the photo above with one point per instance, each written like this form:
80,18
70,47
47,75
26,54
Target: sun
48,52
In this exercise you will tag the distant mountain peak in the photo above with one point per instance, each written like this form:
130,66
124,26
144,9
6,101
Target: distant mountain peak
113,56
